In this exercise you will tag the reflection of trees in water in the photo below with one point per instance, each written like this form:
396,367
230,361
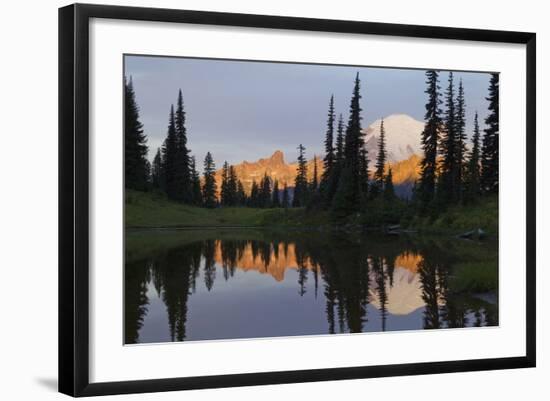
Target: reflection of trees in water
430,292
445,308
381,277
301,260
231,253
343,268
209,249
137,276
348,270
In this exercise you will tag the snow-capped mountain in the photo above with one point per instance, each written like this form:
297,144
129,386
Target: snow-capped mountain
403,135
403,155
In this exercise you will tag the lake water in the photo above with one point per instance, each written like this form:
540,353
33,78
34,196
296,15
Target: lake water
185,285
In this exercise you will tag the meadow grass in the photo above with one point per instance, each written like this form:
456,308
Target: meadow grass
460,218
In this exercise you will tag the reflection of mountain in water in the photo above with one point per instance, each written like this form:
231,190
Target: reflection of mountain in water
274,262
403,296
359,284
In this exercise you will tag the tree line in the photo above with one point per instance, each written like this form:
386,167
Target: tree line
174,170
346,185
450,173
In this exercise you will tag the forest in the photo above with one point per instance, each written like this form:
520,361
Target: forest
454,170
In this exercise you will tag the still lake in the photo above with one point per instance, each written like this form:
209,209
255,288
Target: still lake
185,285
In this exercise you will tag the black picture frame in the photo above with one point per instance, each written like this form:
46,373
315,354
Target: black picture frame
74,201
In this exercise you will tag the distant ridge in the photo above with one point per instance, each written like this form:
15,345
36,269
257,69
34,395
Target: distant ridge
274,166
403,135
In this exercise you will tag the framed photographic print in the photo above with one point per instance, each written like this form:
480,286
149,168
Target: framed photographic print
250,199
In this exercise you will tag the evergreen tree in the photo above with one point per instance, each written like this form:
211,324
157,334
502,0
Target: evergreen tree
315,179
182,171
156,171
232,188
339,156
135,143
286,199
389,191
148,174
378,182
473,173
430,139
254,195
209,188
461,140
413,201
364,175
241,195
349,194
338,162
224,192
329,159
489,149
264,197
448,181
169,155
195,183
275,202
315,199
300,183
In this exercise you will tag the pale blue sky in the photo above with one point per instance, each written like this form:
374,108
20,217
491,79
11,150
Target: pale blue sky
242,110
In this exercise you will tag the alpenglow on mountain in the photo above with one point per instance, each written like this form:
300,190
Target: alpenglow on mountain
403,146
403,134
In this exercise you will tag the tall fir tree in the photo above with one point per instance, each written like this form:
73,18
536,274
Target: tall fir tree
364,175
339,148
315,198
224,190
460,120
389,191
300,182
241,194
253,200
156,171
448,185
337,167
232,186
314,187
413,199
473,168
182,171
489,148
349,195
329,159
135,142
195,183
275,202
430,140
148,174
169,155
379,174
209,187
264,195
286,199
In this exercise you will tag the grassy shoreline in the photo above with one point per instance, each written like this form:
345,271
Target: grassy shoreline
154,211
474,263
152,220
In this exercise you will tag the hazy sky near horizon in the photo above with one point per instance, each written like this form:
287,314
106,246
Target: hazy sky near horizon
244,110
